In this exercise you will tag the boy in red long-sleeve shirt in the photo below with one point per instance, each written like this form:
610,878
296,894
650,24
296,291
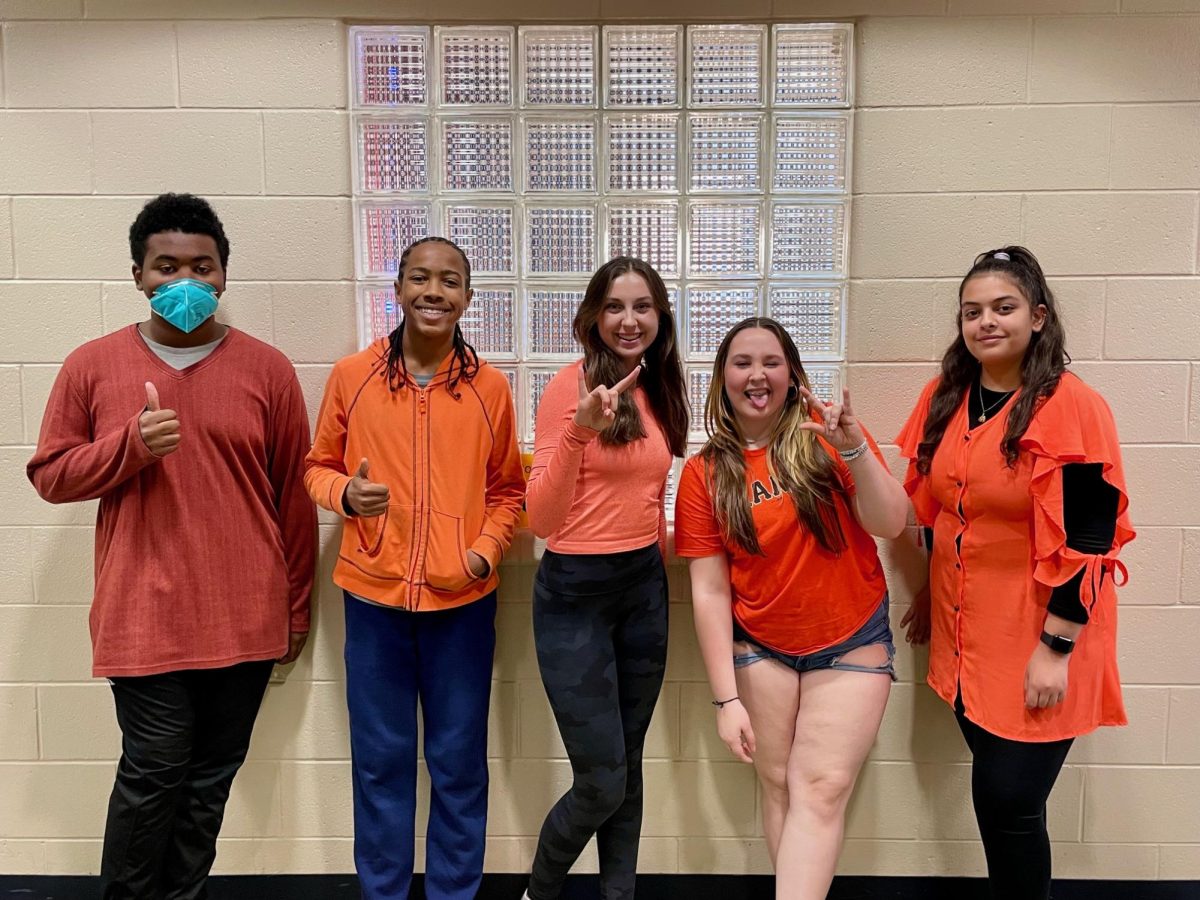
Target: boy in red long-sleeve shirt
192,435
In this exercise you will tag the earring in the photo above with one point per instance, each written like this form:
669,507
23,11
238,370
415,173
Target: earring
793,391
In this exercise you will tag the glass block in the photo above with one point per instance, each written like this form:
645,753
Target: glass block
477,154
560,154
560,239
726,152
725,64
642,65
671,486
378,312
536,379
384,230
489,324
698,380
550,312
810,154
725,239
673,298
485,233
812,315
648,231
808,239
712,310
643,152
812,65
825,381
391,66
510,374
559,65
393,155
476,65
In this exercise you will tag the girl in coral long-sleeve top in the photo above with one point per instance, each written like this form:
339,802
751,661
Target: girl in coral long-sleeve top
1015,471
603,448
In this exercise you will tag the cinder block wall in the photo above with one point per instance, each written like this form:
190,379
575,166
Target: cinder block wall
1068,125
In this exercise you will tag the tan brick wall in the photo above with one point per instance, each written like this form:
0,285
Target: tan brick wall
1070,125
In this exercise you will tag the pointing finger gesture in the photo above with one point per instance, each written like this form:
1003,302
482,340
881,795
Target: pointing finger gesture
597,408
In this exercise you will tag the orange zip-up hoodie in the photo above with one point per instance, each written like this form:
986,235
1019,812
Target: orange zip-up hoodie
452,467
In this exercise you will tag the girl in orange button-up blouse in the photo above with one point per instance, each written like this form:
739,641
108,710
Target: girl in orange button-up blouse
1016,469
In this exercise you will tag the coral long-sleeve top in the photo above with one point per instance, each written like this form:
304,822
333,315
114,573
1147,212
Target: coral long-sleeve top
999,548
588,497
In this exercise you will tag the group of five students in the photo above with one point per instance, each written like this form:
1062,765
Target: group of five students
194,438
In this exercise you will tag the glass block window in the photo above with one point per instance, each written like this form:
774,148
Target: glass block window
491,323
649,231
726,153
643,152
560,155
551,313
559,66
392,155
477,154
718,153
643,65
726,65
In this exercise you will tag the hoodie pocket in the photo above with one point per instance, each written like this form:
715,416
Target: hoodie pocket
446,565
385,542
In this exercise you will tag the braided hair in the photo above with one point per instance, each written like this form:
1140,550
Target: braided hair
465,362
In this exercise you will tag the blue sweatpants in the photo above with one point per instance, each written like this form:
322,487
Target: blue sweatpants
394,657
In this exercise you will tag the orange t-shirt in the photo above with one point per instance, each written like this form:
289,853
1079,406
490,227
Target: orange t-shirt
999,548
797,598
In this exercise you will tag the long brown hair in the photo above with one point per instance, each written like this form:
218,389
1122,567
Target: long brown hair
1043,365
465,358
796,460
662,374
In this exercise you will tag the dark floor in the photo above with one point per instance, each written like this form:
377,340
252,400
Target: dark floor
584,887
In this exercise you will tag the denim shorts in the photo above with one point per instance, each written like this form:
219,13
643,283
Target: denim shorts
876,630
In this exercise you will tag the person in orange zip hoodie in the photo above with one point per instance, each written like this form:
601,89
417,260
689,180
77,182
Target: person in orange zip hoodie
416,448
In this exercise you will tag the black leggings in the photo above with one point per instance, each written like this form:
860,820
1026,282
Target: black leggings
600,627
1010,782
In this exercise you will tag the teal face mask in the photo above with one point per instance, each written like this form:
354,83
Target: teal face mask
185,302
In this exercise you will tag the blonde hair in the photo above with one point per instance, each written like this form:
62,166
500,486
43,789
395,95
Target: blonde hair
796,460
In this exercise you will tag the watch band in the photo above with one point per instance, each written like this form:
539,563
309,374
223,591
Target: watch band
1058,643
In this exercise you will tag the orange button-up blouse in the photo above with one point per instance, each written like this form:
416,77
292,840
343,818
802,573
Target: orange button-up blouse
999,547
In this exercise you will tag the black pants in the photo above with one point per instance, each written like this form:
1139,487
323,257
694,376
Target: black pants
184,735
1010,783
600,627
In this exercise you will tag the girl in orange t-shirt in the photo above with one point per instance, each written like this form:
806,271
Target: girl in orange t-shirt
777,512
1015,471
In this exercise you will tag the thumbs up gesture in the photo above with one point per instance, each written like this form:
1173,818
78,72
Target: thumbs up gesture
366,497
159,427
597,408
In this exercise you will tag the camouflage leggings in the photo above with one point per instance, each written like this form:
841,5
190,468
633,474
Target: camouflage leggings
600,625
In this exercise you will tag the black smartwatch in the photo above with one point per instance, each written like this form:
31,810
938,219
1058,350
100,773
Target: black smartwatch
1058,643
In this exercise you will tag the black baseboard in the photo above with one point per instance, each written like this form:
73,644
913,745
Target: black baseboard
585,887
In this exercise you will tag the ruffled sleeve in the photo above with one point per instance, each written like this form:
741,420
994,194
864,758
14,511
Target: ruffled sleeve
916,485
1074,425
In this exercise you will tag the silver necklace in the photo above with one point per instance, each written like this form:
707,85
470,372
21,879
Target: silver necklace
987,409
